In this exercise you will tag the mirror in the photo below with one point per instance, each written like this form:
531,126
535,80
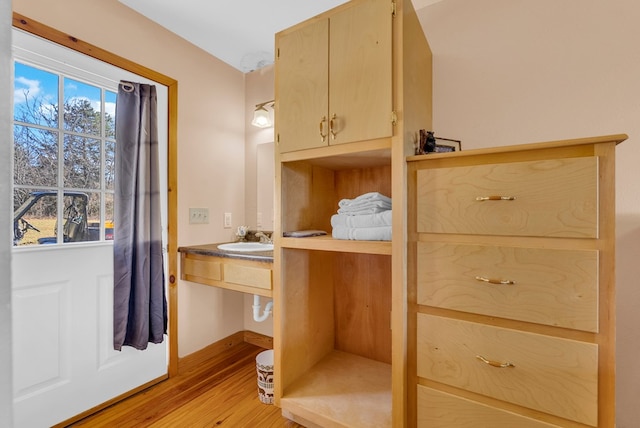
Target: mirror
265,174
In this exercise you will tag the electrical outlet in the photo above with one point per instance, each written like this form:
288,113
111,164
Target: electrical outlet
259,220
227,220
198,215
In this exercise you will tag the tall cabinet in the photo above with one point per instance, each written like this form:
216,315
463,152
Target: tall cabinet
511,286
353,86
336,78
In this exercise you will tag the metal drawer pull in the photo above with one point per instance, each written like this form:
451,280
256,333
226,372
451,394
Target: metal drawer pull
332,126
495,281
495,198
495,363
322,122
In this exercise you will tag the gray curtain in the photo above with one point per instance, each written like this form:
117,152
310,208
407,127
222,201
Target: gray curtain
140,306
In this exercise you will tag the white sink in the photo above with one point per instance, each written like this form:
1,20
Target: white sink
245,246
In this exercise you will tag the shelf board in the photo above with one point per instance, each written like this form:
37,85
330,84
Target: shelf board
342,390
360,154
327,243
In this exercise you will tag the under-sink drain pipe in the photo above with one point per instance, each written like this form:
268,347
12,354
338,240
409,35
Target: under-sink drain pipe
256,309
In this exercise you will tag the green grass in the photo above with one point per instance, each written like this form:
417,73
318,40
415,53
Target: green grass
46,226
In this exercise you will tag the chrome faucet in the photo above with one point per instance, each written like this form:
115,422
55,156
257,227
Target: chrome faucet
264,238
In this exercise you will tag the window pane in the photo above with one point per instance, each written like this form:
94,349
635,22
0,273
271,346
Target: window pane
76,222
108,215
81,162
110,114
81,107
34,217
110,164
35,96
83,135
35,156
93,216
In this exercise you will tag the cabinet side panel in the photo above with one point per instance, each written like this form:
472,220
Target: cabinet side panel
308,197
363,305
607,301
414,93
353,182
307,320
363,282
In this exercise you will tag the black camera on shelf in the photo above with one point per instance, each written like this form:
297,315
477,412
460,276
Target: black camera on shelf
429,143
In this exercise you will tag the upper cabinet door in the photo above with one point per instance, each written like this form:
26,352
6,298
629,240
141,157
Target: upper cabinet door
302,87
334,78
360,73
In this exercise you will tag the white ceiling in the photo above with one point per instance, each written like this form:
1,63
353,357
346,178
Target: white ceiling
239,32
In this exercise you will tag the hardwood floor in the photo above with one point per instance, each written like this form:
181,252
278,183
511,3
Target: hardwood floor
221,392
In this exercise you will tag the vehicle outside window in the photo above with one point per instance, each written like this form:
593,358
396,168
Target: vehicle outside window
64,146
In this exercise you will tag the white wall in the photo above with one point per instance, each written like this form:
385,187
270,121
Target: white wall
521,71
6,139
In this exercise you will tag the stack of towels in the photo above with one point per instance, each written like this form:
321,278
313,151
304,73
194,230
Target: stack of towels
365,218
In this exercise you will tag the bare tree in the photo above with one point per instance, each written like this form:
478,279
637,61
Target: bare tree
37,138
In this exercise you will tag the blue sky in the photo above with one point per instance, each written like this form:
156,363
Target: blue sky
44,85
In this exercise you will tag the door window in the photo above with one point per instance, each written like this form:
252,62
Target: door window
64,143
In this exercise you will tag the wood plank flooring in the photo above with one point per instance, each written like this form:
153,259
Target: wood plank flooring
221,392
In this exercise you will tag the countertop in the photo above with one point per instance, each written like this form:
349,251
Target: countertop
213,250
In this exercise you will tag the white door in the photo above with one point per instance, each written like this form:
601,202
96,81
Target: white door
62,301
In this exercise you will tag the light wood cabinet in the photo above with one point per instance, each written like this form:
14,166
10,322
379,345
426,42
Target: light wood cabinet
556,197
551,374
335,78
339,323
437,409
557,287
245,275
511,286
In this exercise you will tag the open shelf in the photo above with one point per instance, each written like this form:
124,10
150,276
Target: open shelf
361,154
342,390
327,243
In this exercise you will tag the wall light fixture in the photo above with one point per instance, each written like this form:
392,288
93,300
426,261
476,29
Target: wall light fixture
262,116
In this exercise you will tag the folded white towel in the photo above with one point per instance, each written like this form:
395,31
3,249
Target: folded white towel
363,209
363,233
365,199
364,220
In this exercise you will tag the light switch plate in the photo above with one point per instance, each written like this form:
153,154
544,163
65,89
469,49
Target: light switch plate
198,215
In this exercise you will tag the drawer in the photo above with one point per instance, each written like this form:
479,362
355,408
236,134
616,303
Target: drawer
550,198
202,267
437,409
549,374
246,275
545,286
